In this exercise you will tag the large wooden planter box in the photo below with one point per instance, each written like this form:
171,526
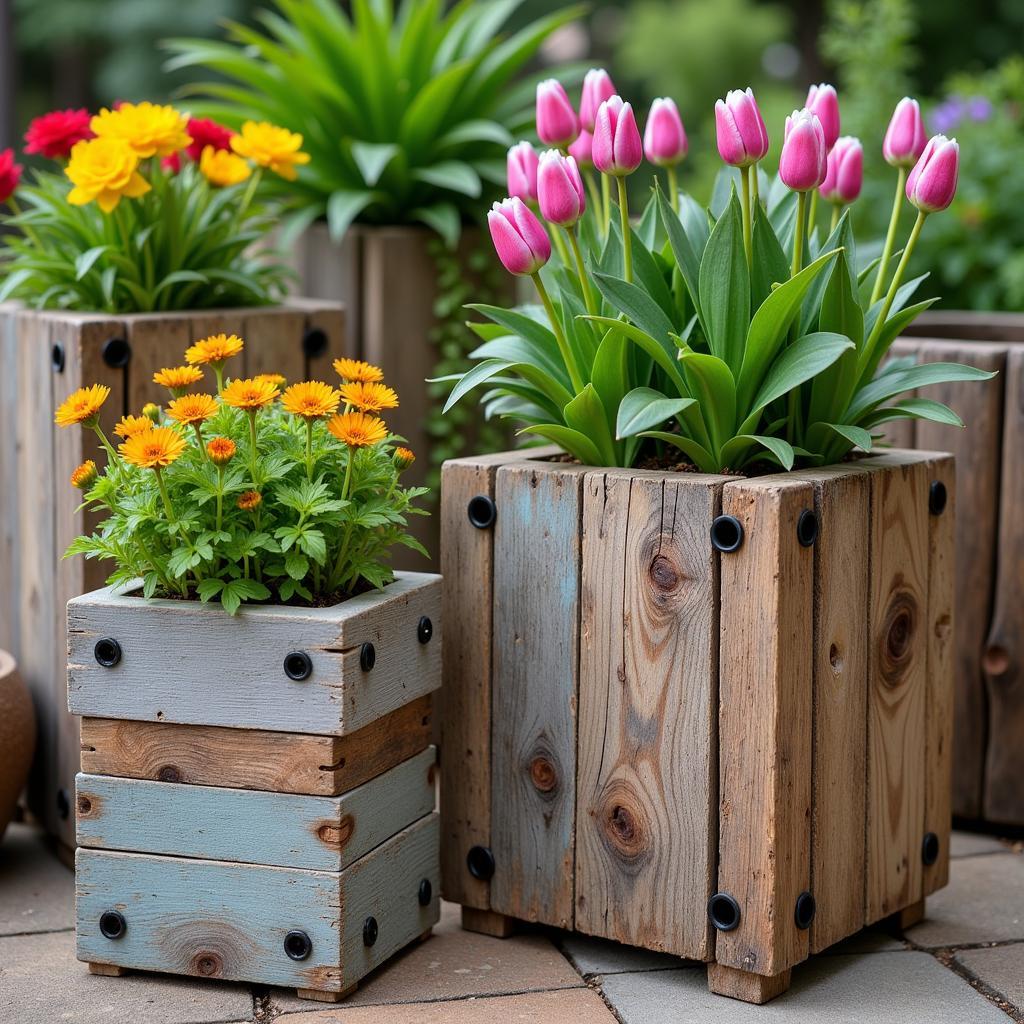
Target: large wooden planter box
46,356
643,734
257,800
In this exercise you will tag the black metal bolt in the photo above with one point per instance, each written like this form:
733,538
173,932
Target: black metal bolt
112,924
426,893
298,945
116,352
480,862
57,358
804,913
929,849
63,804
314,342
425,630
726,534
298,666
367,657
370,931
724,911
807,528
482,511
107,652
937,498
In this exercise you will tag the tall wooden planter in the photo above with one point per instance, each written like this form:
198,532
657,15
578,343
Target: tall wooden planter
736,754
257,802
46,356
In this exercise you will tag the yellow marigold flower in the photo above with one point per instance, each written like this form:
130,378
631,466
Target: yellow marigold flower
212,351
358,430
152,412
249,500
223,168
403,458
104,170
83,406
357,370
177,378
369,397
221,450
84,476
129,426
269,146
150,129
272,378
154,448
311,400
192,409
249,394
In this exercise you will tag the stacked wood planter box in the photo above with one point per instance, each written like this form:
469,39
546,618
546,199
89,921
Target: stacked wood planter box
46,356
737,754
257,795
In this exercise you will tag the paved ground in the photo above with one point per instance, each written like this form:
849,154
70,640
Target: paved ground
963,965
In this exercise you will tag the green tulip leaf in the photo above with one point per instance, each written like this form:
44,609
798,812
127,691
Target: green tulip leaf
644,408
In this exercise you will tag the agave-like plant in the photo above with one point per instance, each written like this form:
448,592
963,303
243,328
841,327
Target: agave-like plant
407,114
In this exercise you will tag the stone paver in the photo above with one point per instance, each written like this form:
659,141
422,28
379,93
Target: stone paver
599,956
984,902
868,940
37,893
41,982
971,844
887,988
1000,968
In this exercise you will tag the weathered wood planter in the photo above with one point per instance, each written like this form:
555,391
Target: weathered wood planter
257,796
704,715
46,356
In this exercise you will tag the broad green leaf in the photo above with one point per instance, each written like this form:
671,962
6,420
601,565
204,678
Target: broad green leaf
696,453
888,385
725,288
855,435
84,262
913,409
586,414
685,252
644,408
805,358
769,265
664,358
576,444
372,158
734,451
342,209
874,351
452,175
609,372
519,349
637,305
476,131
443,218
711,383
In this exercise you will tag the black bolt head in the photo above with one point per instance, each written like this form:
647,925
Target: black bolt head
116,352
807,528
314,342
480,862
57,358
930,849
426,893
370,931
482,511
63,804
726,534
297,945
937,498
804,913
298,666
425,630
367,657
107,652
724,911
112,924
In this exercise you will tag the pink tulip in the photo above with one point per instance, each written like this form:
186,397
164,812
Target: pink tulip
665,141
617,148
904,138
582,150
802,164
521,242
597,87
557,123
932,183
560,189
522,172
742,136
844,173
823,101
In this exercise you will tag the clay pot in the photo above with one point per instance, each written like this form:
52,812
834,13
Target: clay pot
17,737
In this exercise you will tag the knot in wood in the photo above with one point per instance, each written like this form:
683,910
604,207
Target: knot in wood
996,660
84,805
169,773
208,964
543,774
898,634
664,574
336,834
624,827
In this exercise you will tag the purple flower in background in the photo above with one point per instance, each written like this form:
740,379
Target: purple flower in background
948,115
979,108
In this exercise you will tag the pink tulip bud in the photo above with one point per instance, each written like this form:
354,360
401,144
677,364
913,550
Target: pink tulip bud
522,172
665,141
844,173
905,137
560,189
582,150
823,101
597,87
742,136
617,148
521,242
932,183
802,164
557,123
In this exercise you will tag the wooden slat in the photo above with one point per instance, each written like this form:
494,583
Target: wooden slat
647,806
273,344
765,724
534,690
156,342
333,320
968,324
10,604
218,321
900,433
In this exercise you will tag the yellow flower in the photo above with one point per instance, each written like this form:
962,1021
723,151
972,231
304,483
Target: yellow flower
403,458
192,409
149,129
104,170
277,379
356,369
311,400
249,394
177,378
84,476
357,430
269,146
154,448
152,412
214,350
83,406
249,500
221,450
129,426
223,168
369,397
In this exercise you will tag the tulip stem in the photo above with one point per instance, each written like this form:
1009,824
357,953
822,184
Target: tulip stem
606,203
799,233
581,270
836,210
812,216
745,178
563,345
594,191
563,253
756,189
890,238
673,186
627,235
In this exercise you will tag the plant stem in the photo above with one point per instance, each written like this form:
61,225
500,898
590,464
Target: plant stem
563,253
199,438
594,193
798,234
627,237
756,187
581,270
745,178
890,237
673,186
836,212
606,195
252,445
812,216
111,454
309,450
220,498
563,345
169,510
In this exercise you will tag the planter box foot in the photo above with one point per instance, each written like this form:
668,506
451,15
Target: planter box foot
107,970
487,922
908,916
426,935
750,988
325,997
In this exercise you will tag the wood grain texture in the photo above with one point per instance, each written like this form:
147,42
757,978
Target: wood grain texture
981,325
229,669
252,827
486,922
10,606
278,762
748,988
647,784
156,342
534,690
765,706
208,918
274,345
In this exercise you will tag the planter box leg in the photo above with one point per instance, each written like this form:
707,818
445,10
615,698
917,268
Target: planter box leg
487,922
325,997
107,970
909,916
750,988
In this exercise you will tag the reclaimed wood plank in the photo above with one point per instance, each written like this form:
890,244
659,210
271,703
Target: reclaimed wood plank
332,320
647,787
156,342
273,344
218,321
748,988
765,724
981,325
10,549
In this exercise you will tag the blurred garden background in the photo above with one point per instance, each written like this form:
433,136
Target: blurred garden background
966,64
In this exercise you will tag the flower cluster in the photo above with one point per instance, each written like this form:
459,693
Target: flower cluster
264,491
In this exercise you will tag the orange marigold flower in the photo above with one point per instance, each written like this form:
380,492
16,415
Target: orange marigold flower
84,476
214,350
129,426
249,500
272,378
192,409
83,406
177,378
221,450
356,369
249,393
312,400
154,448
357,429
403,458
369,397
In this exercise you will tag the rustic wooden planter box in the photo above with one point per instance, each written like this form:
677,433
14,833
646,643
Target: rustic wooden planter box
47,355
257,801
643,734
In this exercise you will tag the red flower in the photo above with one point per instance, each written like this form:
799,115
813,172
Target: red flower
172,163
10,174
203,133
53,134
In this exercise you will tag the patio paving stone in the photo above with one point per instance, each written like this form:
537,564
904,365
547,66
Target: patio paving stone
971,844
38,891
601,956
1000,968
